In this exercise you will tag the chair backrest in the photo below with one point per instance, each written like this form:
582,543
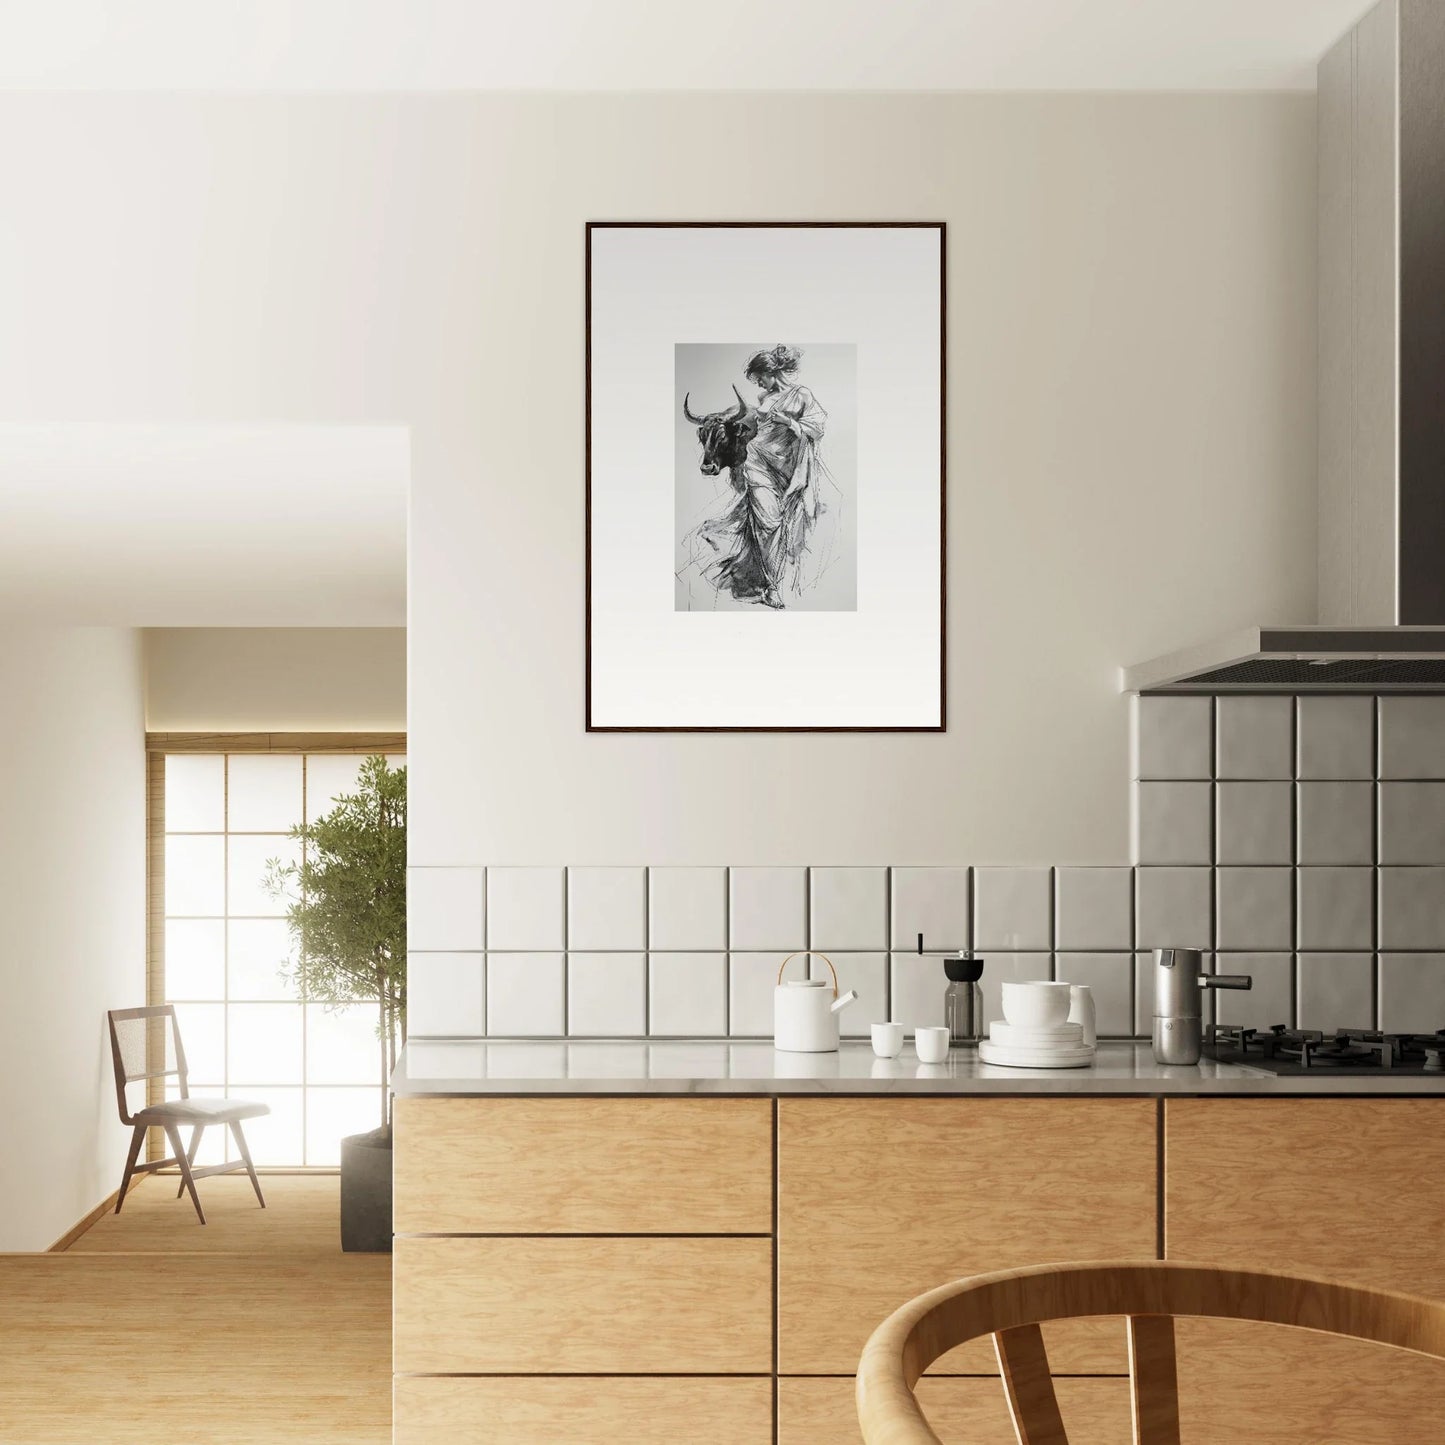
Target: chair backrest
145,1043
1011,1305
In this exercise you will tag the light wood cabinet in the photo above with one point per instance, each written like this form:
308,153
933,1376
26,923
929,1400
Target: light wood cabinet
882,1198
610,1270
583,1166
583,1306
599,1411
1344,1188
813,1411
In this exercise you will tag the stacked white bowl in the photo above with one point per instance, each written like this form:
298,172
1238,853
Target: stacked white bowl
1035,1032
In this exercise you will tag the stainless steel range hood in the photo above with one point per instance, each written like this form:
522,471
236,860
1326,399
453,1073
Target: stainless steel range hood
1302,659
1381,144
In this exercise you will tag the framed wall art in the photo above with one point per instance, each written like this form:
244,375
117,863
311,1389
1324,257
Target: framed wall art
765,476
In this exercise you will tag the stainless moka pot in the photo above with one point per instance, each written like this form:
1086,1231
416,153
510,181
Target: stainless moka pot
1179,984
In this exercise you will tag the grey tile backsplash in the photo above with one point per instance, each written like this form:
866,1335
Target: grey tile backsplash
1299,839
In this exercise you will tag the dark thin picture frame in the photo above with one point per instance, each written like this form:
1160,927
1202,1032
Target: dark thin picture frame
942,228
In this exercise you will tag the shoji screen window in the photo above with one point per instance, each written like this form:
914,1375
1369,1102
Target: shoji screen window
229,960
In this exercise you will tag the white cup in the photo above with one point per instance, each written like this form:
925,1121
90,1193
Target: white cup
931,1044
887,1040
1082,1011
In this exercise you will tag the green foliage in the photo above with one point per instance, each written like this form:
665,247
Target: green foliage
346,900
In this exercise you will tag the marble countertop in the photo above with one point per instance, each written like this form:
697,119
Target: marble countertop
720,1066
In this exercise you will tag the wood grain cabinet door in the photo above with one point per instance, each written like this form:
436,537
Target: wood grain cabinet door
813,1411
1344,1188
881,1199
583,1166
598,1410
610,1306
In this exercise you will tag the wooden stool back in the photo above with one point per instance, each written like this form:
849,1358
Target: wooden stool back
1011,1305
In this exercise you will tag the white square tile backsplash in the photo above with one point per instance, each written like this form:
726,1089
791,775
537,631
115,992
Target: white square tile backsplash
1173,737
1336,991
688,994
445,909
933,902
1412,737
752,977
1336,824
607,908
848,908
768,908
1094,908
1173,823
526,909
916,988
1316,862
607,994
1012,908
526,995
446,994
1254,823
1336,737
1412,823
1254,737
687,908
1412,908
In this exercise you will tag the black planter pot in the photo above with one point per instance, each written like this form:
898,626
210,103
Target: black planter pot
366,1193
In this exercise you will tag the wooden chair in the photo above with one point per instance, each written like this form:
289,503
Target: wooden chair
145,1043
1010,1306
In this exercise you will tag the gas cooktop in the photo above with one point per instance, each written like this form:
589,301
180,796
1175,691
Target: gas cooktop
1283,1051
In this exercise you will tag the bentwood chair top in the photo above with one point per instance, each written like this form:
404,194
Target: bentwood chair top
1011,1305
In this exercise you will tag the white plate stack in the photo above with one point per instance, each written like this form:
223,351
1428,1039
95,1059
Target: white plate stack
1035,1032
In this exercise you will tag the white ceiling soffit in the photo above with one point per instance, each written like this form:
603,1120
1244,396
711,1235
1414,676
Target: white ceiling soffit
159,526
422,45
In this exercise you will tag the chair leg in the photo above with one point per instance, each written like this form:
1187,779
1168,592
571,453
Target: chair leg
137,1138
191,1155
246,1155
173,1133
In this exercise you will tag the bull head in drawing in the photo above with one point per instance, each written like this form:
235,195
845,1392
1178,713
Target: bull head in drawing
724,434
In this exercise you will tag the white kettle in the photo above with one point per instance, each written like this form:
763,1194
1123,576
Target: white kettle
805,1011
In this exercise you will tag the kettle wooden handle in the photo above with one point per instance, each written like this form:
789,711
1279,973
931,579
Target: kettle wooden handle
810,953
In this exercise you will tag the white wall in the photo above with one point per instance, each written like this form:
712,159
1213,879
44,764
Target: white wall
302,679
1131,411
72,897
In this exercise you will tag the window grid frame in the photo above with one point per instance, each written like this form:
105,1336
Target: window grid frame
159,746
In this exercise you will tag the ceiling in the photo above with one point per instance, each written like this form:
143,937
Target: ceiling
368,45
159,526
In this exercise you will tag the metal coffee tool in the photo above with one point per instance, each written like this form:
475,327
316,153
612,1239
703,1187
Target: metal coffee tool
1179,984
963,998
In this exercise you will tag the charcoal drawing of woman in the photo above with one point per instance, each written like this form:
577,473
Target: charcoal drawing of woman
771,539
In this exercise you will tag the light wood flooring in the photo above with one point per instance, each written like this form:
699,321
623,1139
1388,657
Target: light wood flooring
252,1329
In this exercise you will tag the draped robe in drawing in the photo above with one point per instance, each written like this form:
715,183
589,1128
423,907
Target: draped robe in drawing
774,531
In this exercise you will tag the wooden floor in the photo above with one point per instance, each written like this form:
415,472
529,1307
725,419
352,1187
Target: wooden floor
251,1330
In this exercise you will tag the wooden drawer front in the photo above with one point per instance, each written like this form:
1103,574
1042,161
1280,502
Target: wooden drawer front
583,1306
583,1166
1095,1411
1346,1188
1273,1386
881,1199
609,1411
